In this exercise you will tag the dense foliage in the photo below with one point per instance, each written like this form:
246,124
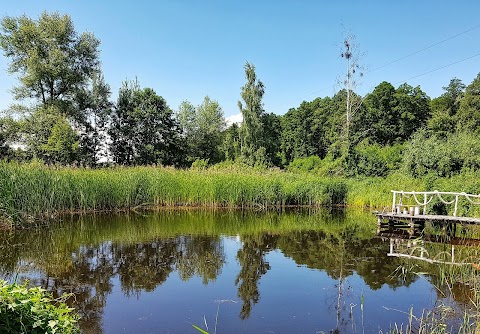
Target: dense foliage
32,310
72,120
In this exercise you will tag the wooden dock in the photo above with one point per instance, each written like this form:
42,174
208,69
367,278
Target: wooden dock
418,219
410,212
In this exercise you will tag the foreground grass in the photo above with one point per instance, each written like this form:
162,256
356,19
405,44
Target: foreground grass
33,310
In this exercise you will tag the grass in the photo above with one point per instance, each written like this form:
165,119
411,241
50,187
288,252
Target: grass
32,190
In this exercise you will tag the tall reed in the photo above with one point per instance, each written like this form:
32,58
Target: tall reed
33,190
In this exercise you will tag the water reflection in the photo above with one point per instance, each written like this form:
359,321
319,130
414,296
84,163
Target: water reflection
92,256
251,258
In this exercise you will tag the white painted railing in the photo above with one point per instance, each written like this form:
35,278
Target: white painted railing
427,196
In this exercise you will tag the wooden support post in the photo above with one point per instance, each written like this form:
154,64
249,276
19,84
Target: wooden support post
424,204
394,201
412,228
456,206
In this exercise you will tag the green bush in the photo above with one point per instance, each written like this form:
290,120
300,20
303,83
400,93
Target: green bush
444,157
308,164
375,160
328,166
33,310
200,164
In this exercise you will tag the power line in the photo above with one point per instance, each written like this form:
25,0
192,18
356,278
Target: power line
412,54
438,68
424,49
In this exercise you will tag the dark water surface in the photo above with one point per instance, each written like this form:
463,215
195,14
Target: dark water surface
261,272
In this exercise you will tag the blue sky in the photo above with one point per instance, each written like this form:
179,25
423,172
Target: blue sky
185,50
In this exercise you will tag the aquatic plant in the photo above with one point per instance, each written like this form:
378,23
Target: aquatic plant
33,310
34,190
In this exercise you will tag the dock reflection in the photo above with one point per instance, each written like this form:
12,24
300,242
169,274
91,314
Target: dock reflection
430,248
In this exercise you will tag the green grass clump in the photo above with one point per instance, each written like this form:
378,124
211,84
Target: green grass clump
29,191
32,310
34,190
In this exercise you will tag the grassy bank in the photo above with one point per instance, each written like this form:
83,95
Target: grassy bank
29,191
375,192
32,190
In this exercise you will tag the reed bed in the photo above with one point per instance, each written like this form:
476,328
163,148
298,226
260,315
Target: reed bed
29,191
33,190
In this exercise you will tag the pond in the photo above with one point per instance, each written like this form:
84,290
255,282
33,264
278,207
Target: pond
297,271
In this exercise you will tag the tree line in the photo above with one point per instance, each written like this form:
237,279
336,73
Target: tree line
71,118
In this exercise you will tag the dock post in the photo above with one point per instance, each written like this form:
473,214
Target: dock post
424,204
379,224
456,206
412,228
394,201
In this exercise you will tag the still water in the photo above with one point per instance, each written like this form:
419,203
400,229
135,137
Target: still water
300,271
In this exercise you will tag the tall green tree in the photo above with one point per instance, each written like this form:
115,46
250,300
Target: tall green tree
186,117
47,135
62,145
412,105
468,116
251,130
393,115
8,132
51,59
210,123
202,129
272,137
380,122
444,109
231,142
95,106
142,128
303,132
59,70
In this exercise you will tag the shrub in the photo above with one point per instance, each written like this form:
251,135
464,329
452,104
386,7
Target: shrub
375,160
308,164
200,164
33,310
444,157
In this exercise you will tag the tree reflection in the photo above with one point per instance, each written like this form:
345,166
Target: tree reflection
253,266
89,279
86,259
342,254
202,256
144,266
87,271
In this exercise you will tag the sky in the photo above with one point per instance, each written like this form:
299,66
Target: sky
186,50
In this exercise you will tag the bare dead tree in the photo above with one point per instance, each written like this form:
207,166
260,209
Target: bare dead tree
349,50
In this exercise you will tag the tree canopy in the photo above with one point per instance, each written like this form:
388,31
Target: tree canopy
51,60
66,116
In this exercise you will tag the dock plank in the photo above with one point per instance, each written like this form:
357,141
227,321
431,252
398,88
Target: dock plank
425,218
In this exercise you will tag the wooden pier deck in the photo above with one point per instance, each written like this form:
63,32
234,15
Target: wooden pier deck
409,210
385,217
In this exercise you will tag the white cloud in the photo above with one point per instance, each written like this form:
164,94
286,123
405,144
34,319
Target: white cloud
237,118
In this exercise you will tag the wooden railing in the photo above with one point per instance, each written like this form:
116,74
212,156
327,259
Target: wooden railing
423,198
